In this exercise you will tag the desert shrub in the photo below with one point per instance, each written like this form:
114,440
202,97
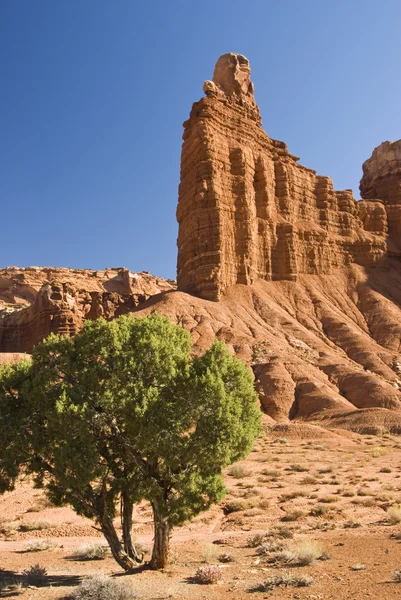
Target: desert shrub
35,575
385,470
264,503
293,515
291,495
394,514
286,579
236,506
92,551
309,480
397,576
239,471
101,587
256,540
364,492
39,545
305,551
280,440
325,469
282,532
328,499
36,525
8,527
352,524
226,557
348,493
297,468
208,574
319,510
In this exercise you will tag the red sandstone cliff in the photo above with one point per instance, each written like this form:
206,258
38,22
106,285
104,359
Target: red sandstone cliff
248,211
308,280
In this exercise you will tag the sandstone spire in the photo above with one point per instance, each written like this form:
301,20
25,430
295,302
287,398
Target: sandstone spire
247,210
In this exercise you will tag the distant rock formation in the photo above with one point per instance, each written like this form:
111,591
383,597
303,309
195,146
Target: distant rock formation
35,302
248,211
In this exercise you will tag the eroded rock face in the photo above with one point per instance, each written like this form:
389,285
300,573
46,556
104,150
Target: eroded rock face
382,179
35,302
247,210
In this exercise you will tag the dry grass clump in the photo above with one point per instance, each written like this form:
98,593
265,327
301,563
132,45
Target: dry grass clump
305,551
208,574
226,557
92,551
208,553
297,468
394,514
319,510
291,495
293,515
385,470
101,587
236,506
286,579
8,527
326,469
280,440
36,525
309,480
35,575
239,471
39,545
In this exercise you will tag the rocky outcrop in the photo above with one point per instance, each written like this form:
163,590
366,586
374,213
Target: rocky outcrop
382,179
247,210
35,302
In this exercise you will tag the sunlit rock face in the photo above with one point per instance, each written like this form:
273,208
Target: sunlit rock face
247,210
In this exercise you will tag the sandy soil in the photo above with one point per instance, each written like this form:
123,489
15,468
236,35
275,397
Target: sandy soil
334,491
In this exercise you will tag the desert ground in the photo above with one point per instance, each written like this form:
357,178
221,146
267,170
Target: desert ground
306,501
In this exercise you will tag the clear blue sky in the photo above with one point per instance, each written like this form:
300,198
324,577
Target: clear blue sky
94,93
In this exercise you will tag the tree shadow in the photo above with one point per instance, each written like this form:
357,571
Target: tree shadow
11,582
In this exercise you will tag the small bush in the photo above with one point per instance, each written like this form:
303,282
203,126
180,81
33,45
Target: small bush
8,527
309,480
101,587
208,574
297,468
319,510
239,471
326,469
36,526
35,575
94,551
236,506
394,514
280,440
256,540
226,557
305,551
293,515
286,579
39,545
352,524
385,470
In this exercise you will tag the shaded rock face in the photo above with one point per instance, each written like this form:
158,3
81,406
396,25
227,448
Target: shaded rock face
35,302
247,210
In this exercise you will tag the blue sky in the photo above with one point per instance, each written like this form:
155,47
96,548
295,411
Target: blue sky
94,93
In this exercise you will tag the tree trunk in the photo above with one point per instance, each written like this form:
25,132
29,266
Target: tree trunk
161,542
126,523
119,554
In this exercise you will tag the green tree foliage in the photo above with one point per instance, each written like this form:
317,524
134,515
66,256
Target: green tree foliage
122,413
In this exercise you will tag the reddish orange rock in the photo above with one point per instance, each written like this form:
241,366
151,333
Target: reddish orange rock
247,210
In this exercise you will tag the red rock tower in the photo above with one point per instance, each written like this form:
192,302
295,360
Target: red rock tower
247,210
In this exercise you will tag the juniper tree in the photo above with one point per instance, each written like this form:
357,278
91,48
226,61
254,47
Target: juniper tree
121,413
